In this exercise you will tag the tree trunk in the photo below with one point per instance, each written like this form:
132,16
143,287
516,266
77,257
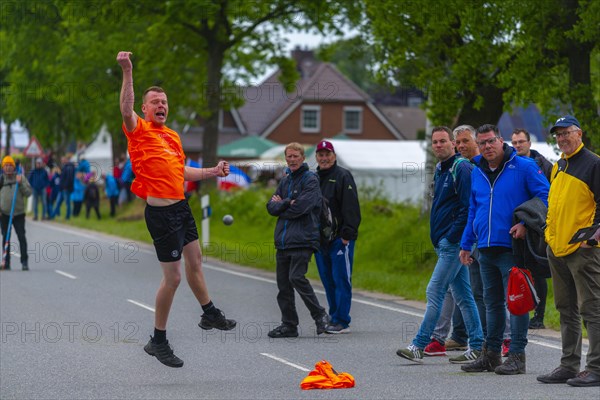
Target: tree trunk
491,111
8,137
580,92
210,138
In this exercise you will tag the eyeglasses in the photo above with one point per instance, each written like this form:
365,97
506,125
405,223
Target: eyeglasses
489,141
563,134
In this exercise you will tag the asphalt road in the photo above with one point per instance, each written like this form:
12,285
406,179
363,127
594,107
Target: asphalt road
74,327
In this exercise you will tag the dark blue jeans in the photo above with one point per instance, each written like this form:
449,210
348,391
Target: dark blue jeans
495,266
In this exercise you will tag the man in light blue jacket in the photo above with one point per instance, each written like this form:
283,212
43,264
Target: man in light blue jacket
501,182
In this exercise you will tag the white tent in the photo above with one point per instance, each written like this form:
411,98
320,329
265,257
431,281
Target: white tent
99,153
395,169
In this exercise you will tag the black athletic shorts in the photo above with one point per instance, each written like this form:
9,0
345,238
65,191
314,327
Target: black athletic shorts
171,228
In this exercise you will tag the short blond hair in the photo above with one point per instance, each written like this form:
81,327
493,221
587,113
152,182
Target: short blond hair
294,146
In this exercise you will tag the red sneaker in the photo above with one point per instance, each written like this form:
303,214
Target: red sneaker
434,348
505,347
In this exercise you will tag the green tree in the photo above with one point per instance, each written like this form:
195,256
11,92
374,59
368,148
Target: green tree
556,49
196,49
476,59
199,40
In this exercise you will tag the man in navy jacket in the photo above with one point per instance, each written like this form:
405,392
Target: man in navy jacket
501,182
452,187
297,204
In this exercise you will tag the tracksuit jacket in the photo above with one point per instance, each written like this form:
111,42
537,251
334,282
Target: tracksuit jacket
338,187
450,207
298,223
492,204
574,200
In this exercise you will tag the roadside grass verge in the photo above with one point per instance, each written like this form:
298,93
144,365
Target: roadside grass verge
393,254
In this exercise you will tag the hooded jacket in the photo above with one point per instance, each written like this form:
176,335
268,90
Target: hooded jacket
491,206
338,187
7,191
298,223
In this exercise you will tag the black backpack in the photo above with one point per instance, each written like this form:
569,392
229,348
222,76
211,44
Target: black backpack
326,228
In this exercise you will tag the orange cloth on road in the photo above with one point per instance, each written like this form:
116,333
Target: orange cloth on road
157,160
325,377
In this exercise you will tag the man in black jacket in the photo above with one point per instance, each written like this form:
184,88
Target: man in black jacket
297,204
335,259
521,141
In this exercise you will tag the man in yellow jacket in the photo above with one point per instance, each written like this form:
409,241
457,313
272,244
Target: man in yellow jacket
574,203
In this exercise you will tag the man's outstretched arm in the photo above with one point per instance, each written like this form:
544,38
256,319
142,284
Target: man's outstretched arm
127,98
197,174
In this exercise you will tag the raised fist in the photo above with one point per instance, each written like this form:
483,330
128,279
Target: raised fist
124,61
222,169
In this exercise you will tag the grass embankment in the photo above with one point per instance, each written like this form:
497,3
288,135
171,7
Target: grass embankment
393,255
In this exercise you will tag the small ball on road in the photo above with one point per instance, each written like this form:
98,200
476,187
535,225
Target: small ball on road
228,219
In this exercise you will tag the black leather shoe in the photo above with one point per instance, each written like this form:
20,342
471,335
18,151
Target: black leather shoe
585,379
514,365
559,375
283,331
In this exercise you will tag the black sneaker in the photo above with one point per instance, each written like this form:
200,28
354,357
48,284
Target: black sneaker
283,331
322,323
216,320
25,267
163,353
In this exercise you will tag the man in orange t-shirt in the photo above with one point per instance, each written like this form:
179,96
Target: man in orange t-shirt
158,163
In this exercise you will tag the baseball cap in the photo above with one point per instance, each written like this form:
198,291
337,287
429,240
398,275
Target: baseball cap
565,122
325,145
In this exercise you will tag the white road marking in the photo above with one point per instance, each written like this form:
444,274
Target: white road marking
261,279
360,301
137,303
65,274
545,344
281,360
366,302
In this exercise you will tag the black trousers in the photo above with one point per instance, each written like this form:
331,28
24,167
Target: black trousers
292,265
90,206
18,222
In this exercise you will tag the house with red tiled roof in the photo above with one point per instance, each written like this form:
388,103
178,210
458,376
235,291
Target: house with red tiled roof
323,103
